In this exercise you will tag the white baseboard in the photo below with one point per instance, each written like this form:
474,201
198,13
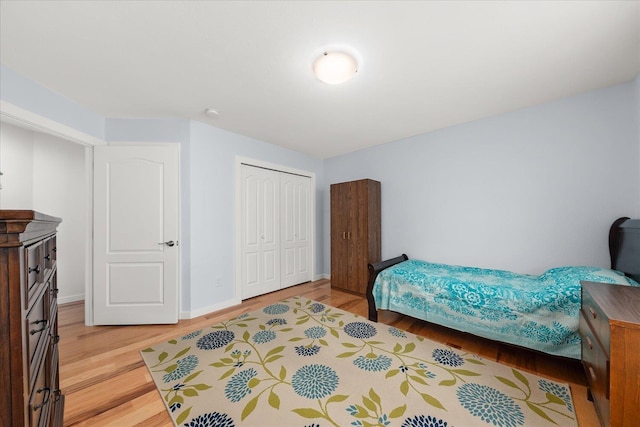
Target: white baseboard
226,304
210,309
70,298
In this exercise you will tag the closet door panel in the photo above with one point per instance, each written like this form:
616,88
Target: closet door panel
295,223
260,231
269,237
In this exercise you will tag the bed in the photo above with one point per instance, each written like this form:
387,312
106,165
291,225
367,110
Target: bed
536,312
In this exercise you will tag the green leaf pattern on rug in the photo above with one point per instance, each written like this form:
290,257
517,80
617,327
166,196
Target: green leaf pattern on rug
303,357
557,397
370,413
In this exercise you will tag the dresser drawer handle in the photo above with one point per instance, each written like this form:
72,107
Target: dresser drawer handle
35,331
589,343
46,399
592,373
55,339
48,257
36,269
593,313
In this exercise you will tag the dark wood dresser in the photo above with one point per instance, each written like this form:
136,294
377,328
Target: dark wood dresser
610,331
355,233
29,379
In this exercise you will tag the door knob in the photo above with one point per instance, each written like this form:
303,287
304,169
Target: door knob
169,243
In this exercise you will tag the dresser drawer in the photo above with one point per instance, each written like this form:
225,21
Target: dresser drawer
40,398
54,339
34,272
52,286
595,360
49,255
37,327
596,319
596,367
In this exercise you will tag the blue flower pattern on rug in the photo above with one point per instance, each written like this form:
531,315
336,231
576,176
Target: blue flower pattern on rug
314,381
491,405
237,387
276,309
424,421
215,340
184,368
360,330
262,337
264,370
307,351
373,364
214,419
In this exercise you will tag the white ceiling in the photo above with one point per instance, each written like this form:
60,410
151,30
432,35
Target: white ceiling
424,65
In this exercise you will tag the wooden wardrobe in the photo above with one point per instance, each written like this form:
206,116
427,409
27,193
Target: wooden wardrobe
355,233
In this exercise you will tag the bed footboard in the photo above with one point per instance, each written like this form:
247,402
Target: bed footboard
374,270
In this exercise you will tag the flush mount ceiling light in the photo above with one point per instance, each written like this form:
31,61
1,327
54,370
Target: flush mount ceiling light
335,67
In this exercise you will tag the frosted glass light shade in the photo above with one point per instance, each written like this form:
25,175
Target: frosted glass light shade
335,67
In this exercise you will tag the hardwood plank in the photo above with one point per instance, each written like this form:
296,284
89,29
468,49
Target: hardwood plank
107,384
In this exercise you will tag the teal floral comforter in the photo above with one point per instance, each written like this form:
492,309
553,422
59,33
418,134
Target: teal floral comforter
538,312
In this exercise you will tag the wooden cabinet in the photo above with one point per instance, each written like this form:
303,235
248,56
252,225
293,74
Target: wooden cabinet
29,377
610,331
355,233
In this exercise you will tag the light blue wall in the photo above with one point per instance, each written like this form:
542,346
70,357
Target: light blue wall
213,153
29,95
207,198
207,158
523,191
147,130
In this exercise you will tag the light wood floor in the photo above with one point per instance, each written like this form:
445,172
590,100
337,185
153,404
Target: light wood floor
106,382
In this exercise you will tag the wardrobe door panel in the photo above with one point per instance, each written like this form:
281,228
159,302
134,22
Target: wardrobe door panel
339,243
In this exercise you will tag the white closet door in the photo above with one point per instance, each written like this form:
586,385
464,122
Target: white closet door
260,234
295,202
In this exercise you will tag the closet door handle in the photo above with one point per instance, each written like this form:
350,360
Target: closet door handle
344,235
349,235
169,243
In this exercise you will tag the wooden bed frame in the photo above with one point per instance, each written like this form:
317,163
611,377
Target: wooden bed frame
624,249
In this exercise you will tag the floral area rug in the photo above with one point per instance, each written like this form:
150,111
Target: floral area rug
303,363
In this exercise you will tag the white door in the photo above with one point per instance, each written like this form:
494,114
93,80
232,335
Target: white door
295,215
260,231
136,223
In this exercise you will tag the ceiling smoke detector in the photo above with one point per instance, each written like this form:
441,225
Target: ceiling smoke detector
211,113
